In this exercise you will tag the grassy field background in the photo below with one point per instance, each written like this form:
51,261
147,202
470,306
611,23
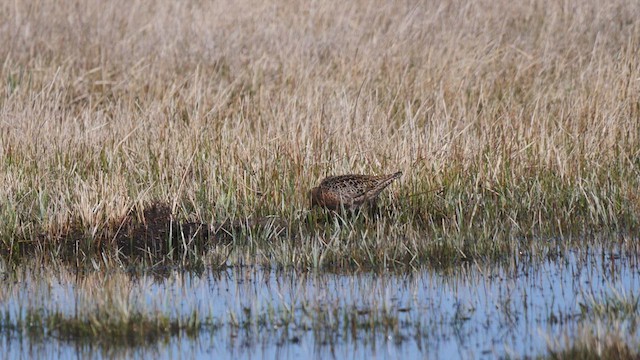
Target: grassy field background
512,122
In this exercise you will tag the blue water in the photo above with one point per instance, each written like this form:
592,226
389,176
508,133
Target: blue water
471,311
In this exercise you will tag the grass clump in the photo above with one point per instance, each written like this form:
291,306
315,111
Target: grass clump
610,352
618,305
597,341
105,308
607,329
103,328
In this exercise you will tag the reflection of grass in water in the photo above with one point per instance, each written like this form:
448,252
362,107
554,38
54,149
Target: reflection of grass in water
117,308
107,309
607,329
619,305
600,340
110,328
110,310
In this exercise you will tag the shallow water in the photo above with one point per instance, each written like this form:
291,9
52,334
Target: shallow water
471,312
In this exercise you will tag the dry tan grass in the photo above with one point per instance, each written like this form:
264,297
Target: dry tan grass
232,108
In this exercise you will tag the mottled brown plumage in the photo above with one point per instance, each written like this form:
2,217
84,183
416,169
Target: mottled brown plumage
350,191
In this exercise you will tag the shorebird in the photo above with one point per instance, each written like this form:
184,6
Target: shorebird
350,191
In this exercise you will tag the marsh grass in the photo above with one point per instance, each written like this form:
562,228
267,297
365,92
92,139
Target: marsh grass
511,122
607,329
110,327
102,329
107,309
120,309
112,306
619,306
596,341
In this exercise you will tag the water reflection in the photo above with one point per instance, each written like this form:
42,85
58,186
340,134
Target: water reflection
470,312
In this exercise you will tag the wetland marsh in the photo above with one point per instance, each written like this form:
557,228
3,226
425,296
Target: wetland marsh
525,308
156,159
